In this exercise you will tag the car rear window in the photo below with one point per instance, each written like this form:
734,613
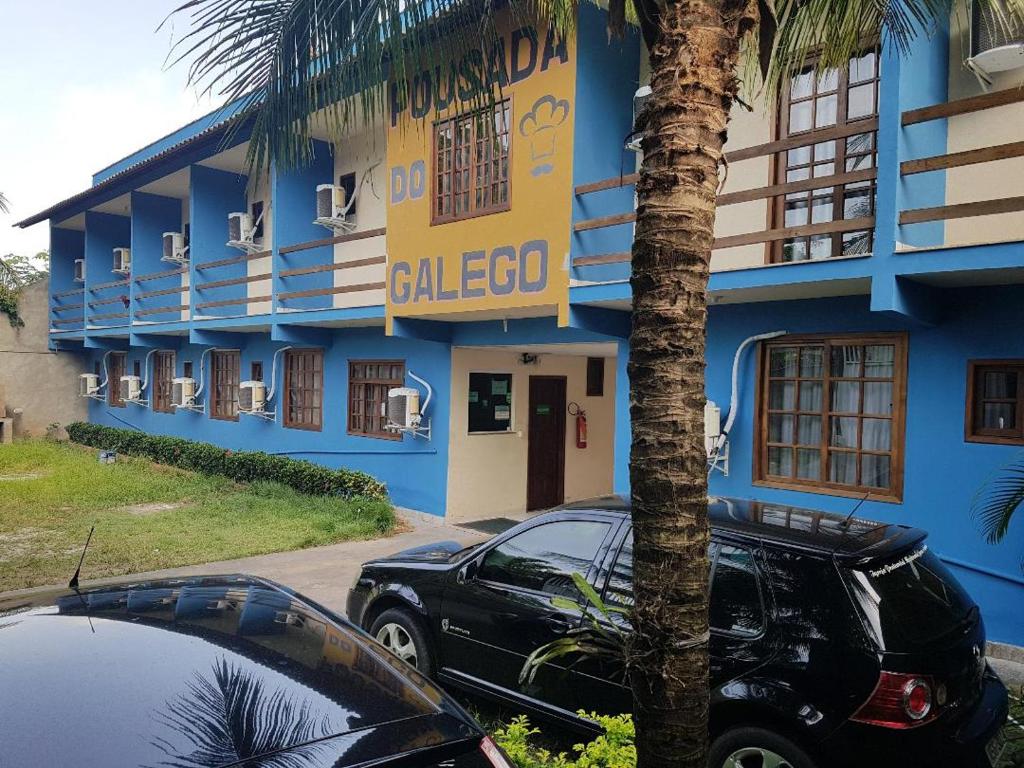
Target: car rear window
911,600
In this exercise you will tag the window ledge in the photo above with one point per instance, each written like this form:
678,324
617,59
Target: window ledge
826,491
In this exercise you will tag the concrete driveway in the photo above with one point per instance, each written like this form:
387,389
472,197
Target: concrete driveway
321,573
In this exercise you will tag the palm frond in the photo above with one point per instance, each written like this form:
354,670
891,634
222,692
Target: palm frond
301,68
998,499
231,717
826,34
4,204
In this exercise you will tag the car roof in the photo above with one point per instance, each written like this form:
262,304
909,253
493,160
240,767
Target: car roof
815,530
142,673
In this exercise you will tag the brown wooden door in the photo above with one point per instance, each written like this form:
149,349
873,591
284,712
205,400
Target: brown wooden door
545,465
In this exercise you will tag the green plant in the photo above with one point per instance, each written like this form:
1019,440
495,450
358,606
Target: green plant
243,466
593,638
17,272
9,307
615,748
996,502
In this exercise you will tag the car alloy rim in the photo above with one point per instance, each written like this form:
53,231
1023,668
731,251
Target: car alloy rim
755,757
396,639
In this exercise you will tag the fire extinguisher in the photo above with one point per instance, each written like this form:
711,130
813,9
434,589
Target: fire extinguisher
581,424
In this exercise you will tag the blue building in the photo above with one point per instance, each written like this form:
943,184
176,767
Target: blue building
869,235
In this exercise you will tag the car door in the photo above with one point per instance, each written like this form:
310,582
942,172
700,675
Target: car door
498,609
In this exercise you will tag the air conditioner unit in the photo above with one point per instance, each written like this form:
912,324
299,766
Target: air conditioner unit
242,233
131,388
332,207
997,37
123,260
712,426
183,392
79,270
403,407
88,384
175,250
252,396
640,99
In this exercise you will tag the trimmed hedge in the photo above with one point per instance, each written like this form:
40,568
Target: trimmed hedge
243,466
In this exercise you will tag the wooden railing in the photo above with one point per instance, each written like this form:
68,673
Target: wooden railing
331,266
770,191
964,158
58,308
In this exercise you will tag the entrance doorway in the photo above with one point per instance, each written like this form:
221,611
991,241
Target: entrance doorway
545,462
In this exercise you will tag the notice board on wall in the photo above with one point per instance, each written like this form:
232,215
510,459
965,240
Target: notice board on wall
490,402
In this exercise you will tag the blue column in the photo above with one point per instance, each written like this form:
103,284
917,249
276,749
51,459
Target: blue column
623,436
213,195
152,215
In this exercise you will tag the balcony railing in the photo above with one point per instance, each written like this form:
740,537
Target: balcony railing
100,298
210,290
767,192
160,304
314,277
952,160
60,319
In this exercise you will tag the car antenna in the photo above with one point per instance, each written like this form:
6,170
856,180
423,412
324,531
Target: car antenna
846,523
73,584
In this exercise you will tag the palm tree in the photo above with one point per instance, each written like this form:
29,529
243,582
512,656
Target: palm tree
4,205
264,53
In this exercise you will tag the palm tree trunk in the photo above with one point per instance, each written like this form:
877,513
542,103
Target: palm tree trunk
693,79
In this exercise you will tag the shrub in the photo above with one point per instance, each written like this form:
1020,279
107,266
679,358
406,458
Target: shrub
613,749
243,466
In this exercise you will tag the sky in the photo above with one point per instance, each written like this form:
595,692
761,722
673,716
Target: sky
82,84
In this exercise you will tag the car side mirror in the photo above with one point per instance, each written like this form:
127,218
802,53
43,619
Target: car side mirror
468,571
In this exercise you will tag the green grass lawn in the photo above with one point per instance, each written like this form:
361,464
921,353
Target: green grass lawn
149,516
1013,757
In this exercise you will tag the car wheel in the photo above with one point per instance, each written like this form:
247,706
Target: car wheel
748,747
401,633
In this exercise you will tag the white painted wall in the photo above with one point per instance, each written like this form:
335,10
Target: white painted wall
364,155
487,472
260,191
1001,125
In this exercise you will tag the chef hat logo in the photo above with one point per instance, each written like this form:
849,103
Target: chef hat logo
539,126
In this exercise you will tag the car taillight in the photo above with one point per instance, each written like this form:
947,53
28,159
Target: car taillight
494,754
899,701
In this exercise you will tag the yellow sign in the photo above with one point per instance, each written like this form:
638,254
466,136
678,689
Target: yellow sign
480,203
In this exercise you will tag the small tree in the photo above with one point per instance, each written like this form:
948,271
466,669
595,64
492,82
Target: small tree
16,273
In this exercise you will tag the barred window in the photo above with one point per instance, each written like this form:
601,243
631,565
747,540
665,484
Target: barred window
163,381
831,414
224,373
471,164
368,385
304,388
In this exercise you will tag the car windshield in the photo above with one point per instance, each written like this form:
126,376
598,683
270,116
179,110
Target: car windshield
911,600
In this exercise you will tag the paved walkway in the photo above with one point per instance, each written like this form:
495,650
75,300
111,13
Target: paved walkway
324,574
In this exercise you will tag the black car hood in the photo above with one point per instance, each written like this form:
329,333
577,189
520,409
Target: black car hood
437,552
203,672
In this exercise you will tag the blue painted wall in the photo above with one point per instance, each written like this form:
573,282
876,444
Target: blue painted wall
607,76
294,195
415,470
152,215
213,195
942,471
103,233
66,245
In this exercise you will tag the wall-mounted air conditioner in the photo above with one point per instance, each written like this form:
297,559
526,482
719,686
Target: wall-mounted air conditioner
242,233
333,205
88,385
404,407
183,392
79,271
123,261
997,37
252,397
175,250
131,388
640,99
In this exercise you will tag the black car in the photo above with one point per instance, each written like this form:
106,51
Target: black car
834,641
214,671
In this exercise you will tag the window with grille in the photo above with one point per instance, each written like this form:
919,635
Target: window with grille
224,376
115,370
368,385
163,381
304,388
827,103
471,164
831,414
995,401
